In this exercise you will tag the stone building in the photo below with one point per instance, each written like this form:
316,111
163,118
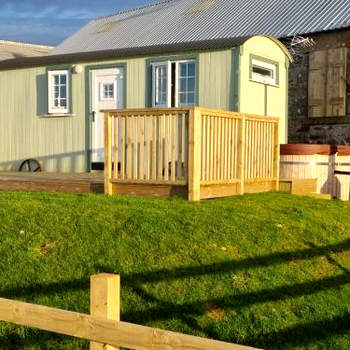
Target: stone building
319,90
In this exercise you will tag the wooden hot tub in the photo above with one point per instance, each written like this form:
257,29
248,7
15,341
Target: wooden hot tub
329,164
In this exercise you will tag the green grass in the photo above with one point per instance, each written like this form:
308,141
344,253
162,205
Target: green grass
268,270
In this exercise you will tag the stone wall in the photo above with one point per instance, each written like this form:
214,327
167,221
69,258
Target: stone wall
302,129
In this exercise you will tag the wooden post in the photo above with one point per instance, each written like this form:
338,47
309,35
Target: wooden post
105,301
194,155
108,153
277,157
241,152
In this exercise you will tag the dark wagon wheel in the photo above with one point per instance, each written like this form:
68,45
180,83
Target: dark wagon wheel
31,165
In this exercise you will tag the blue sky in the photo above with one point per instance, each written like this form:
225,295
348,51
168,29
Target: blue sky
50,22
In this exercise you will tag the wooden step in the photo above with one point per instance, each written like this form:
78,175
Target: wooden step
298,186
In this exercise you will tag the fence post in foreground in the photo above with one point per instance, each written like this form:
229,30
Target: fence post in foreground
105,301
194,155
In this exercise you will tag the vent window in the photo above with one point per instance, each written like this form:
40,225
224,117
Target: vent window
263,72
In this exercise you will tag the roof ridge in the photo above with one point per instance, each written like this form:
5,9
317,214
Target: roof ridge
24,44
152,4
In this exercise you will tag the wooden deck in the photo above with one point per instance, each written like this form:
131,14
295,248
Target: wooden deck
52,182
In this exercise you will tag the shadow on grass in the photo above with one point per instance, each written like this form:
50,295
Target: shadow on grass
186,312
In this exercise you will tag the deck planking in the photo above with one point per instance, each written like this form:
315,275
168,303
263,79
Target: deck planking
52,182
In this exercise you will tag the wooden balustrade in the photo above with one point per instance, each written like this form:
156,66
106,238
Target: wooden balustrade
190,147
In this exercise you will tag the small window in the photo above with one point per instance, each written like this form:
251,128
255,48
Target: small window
107,91
264,72
58,91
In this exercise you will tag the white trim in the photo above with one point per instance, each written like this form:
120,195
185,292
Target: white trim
264,79
51,108
155,65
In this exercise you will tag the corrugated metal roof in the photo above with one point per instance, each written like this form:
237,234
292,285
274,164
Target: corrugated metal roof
181,21
12,49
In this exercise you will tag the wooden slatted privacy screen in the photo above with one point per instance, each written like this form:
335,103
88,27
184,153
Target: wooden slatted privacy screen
260,144
190,147
222,147
150,146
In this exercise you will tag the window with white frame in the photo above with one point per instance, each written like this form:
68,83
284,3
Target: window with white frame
58,91
174,84
264,72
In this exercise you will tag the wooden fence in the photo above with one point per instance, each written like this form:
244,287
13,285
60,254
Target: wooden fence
195,152
103,327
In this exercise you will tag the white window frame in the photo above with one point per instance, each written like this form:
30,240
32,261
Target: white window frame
52,109
169,77
265,65
177,77
102,97
155,65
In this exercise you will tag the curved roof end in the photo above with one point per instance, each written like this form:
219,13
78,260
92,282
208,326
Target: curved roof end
276,41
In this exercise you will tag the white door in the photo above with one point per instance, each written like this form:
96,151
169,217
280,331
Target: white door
107,93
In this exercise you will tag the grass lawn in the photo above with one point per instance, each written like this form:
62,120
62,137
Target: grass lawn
268,270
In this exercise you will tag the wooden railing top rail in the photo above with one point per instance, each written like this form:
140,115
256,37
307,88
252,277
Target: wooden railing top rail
203,111
102,330
145,111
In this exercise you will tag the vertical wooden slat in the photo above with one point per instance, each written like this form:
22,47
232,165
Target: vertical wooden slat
215,140
237,148
204,149
186,146
194,175
147,147
154,148
135,147
223,149
129,147
208,148
277,156
108,153
242,151
166,148
271,150
263,135
254,157
212,148
116,145
173,148
160,119
234,149
142,148
123,146
247,151
179,146
229,149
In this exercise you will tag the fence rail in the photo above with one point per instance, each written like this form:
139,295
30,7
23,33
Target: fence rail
191,147
103,328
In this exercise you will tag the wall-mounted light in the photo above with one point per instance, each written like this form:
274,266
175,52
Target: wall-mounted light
77,69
